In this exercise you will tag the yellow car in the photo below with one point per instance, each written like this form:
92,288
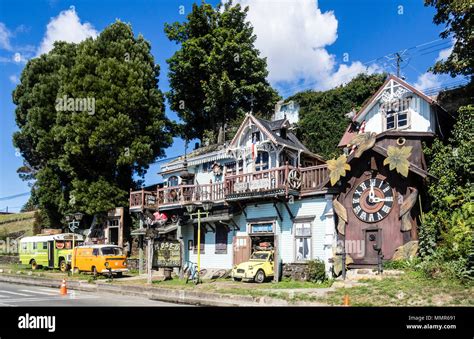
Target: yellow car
258,268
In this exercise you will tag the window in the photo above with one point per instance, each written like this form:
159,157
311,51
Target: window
111,251
302,231
113,222
261,163
172,181
203,239
261,228
35,245
45,245
230,168
256,136
95,251
397,120
24,245
221,239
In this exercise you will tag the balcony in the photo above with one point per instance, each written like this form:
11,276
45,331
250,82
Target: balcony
282,181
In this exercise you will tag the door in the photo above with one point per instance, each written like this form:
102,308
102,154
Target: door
241,248
51,253
373,242
113,235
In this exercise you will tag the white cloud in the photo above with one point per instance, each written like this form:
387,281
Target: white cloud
345,73
427,80
14,79
445,53
66,27
5,35
293,35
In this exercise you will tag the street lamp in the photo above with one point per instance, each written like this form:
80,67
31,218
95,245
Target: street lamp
78,216
207,205
73,222
190,208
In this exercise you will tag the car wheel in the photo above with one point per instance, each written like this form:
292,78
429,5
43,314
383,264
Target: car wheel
237,279
260,277
119,274
34,265
63,266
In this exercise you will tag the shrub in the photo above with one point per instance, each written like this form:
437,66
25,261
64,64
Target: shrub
316,271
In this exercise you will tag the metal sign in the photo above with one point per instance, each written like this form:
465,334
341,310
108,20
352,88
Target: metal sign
167,253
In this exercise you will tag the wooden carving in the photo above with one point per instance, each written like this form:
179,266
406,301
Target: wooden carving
341,213
397,158
337,168
363,142
405,209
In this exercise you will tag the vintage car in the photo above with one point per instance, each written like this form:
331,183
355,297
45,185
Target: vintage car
258,268
100,259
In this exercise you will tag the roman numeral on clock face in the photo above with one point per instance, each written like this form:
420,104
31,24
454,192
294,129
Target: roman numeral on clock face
385,208
371,217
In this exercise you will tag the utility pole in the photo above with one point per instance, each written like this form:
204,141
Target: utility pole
399,59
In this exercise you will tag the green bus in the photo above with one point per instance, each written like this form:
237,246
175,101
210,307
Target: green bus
53,251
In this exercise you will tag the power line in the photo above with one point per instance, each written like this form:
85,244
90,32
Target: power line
15,196
388,57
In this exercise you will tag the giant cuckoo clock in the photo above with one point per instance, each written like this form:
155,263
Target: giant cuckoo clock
379,184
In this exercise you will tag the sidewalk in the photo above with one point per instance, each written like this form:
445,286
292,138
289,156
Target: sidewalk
192,296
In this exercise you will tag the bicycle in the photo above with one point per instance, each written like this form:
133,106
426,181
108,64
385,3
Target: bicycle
191,272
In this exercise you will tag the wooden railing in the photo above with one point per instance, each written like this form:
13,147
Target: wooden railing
275,178
312,179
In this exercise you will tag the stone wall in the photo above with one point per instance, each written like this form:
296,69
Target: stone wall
9,259
295,271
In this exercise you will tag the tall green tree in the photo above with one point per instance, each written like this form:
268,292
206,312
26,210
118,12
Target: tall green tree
217,74
322,113
84,151
458,18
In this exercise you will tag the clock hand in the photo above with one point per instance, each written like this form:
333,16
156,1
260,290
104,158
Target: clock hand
371,194
377,199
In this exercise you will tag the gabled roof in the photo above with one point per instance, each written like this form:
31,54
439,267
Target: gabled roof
270,128
359,117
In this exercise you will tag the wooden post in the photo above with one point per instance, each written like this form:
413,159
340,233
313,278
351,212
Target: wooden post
140,251
286,178
143,198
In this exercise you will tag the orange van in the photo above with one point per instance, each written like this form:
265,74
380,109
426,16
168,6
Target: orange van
99,259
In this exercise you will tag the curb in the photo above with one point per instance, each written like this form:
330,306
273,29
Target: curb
196,298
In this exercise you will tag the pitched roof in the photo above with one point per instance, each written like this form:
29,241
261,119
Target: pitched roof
350,133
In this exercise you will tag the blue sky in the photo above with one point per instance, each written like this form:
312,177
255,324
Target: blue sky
308,44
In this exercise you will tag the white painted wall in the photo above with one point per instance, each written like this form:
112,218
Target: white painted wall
421,117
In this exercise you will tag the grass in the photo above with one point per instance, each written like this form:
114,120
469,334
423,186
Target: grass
12,225
410,289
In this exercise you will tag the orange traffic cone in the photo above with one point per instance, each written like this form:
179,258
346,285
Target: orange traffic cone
63,288
346,300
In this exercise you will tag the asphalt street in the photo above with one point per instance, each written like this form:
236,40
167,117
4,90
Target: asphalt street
27,295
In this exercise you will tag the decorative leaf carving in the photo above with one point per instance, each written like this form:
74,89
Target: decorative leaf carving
363,141
341,213
337,168
397,158
406,208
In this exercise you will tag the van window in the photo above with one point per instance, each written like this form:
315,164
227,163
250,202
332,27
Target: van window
34,245
45,245
23,246
111,251
95,251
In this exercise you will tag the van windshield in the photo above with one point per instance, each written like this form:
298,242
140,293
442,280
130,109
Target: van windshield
111,251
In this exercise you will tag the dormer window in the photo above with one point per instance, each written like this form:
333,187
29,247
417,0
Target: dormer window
256,136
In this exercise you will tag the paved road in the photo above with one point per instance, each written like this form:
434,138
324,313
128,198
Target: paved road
27,295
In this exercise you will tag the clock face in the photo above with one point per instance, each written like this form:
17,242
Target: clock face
372,200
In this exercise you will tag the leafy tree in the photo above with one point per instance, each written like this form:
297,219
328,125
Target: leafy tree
447,228
85,160
217,73
458,17
322,121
